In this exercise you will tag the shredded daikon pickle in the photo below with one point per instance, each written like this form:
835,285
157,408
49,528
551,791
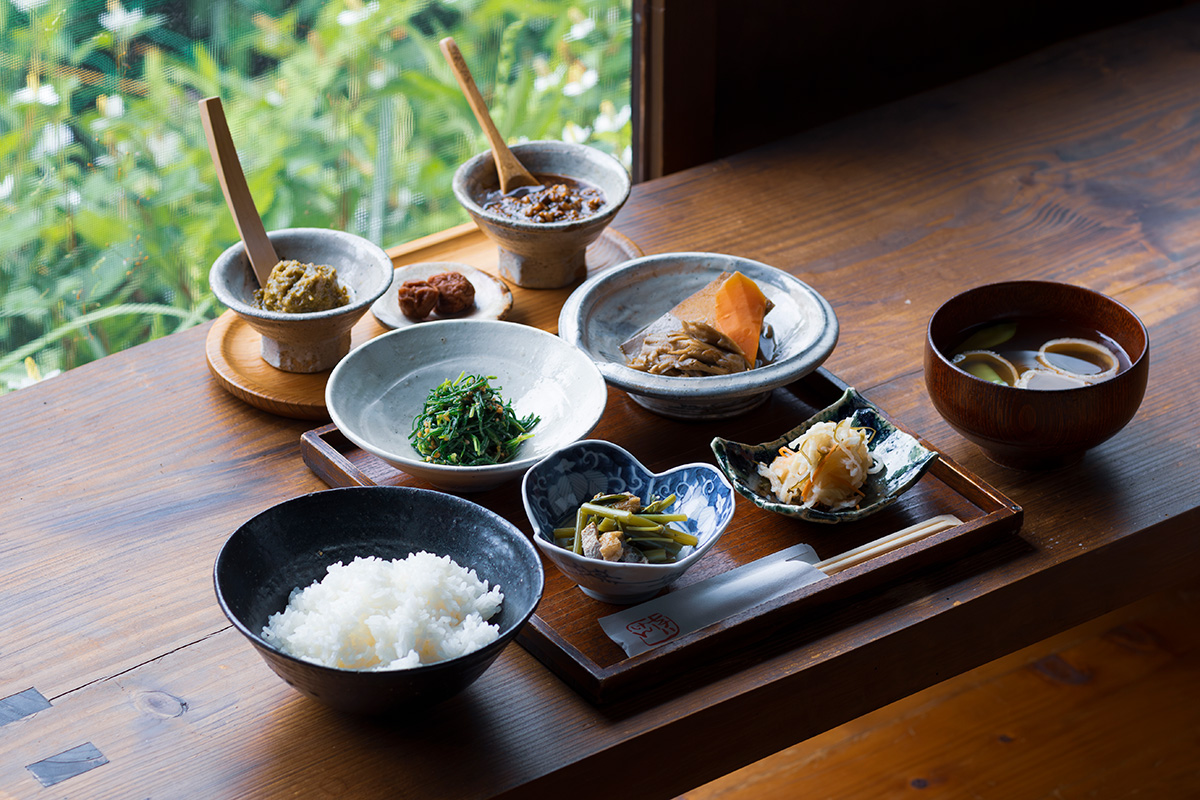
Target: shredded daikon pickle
826,466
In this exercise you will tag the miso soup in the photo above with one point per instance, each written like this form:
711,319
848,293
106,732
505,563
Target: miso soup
1038,353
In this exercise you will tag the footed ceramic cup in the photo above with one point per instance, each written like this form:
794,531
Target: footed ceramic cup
314,341
544,255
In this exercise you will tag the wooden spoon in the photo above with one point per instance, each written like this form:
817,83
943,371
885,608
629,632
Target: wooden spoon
237,193
512,173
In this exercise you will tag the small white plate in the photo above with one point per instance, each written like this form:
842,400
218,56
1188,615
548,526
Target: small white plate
493,299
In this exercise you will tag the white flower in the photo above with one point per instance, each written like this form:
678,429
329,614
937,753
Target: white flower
164,148
124,149
29,5
587,80
353,16
55,136
548,80
111,106
580,29
118,20
28,95
574,134
378,78
6,187
72,198
610,119
32,375
273,98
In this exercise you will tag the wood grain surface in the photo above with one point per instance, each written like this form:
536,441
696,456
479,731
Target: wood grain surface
123,477
1101,711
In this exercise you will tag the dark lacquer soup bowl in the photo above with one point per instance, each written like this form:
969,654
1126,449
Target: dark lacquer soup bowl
988,327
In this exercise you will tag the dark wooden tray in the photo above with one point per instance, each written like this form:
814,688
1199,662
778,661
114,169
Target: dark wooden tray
564,634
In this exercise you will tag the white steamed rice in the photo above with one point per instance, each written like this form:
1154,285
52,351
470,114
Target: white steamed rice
373,614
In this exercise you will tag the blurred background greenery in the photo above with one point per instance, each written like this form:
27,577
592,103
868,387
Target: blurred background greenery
344,114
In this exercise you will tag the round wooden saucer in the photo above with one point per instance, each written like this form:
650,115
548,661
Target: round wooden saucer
233,354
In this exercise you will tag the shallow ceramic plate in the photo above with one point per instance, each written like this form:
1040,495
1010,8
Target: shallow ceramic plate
493,298
615,304
903,457
376,391
556,486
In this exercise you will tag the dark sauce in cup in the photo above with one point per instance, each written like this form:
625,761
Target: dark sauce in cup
556,199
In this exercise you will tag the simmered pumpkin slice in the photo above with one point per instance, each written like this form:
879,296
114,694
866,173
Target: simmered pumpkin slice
740,307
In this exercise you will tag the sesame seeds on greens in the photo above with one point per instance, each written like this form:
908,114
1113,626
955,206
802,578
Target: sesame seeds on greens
465,422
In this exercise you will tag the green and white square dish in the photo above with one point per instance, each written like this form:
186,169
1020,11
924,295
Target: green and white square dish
904,462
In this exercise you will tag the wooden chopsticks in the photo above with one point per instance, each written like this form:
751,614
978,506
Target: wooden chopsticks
886,544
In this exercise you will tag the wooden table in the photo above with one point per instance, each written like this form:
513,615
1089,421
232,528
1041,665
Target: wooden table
123,477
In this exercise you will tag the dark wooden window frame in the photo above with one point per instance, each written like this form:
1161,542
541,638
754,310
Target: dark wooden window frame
714,77
673,85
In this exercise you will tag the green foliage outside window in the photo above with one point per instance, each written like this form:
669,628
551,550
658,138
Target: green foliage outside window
344,114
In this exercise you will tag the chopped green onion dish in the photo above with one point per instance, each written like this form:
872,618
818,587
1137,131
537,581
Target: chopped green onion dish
466,423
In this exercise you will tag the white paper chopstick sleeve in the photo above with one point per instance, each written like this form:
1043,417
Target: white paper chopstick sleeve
669,616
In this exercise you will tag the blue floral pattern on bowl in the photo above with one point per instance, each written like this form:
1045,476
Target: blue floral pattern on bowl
903,458
555,487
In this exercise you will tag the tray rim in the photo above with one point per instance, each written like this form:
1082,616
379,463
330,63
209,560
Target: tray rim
605,684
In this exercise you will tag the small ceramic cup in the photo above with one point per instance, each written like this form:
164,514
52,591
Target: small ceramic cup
544,255
314,341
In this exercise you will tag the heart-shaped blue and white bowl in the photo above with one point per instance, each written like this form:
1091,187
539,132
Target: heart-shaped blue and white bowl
554,488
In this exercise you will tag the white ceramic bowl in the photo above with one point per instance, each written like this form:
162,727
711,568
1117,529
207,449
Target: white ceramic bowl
376,391
556,486
615,304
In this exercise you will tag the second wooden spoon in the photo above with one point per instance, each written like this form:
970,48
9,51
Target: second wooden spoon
512,173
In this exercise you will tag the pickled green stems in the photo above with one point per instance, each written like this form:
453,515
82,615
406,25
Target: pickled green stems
647,529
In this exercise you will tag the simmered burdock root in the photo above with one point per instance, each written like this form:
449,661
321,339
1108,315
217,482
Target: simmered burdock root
713,332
